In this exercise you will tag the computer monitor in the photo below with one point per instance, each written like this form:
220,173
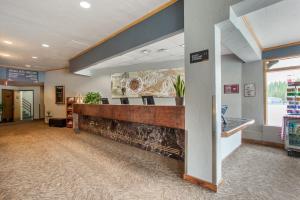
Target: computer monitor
124,100
148,100
104,101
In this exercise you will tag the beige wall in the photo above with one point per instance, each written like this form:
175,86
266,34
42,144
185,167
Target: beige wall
100,82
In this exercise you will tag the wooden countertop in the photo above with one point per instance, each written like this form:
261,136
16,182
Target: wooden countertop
167,116
235,125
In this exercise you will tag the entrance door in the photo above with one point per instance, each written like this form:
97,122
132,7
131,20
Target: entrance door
27,104
8,105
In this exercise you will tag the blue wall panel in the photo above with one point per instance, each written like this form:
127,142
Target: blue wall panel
164,23
282,52
2,73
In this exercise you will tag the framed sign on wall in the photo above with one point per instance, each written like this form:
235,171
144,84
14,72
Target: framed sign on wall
60,94
249,90
231,89
22,75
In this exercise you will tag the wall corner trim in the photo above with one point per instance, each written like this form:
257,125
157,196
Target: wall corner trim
202,183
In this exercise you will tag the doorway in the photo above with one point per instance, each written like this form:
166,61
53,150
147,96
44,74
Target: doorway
8,105
27,104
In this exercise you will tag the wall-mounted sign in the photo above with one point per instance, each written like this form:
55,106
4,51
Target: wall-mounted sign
22,75
60,94
249,90
231,89
199,56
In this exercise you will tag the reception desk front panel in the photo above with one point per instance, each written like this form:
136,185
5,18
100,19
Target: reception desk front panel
157,129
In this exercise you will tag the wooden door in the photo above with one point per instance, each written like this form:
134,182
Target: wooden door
17,106
8,105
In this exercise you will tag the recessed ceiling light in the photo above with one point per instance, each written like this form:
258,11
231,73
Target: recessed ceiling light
145,51
34,57
45,45
85,4
7,42
28,66
162,50
4,55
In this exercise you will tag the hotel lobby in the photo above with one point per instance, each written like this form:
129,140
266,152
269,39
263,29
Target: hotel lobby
143,99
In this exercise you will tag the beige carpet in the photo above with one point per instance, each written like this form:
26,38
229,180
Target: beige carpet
38,162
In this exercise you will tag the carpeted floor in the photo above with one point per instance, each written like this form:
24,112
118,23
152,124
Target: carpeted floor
38,162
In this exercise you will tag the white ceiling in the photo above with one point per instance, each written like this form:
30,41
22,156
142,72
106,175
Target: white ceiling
174,51
64,25
277,24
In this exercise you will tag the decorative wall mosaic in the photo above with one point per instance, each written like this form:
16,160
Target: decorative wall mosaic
157,83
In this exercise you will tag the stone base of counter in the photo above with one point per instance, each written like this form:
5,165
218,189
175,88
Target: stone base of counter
164,141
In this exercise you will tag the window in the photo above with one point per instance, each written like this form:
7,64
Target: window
278,73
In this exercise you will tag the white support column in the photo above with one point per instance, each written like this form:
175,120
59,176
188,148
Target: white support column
203,91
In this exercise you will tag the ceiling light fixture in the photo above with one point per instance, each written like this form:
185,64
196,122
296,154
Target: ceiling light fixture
34,57
7,42
162,50
85,4
145,51
4,55
28,66
45,45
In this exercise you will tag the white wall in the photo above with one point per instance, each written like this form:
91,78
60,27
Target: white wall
36,96
253,107
100,81
231,74
203,89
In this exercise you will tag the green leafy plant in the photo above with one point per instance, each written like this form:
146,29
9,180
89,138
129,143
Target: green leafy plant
179,86
92,98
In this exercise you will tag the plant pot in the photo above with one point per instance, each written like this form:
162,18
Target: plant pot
179,101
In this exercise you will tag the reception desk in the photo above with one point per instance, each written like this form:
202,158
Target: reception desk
167,116
159,129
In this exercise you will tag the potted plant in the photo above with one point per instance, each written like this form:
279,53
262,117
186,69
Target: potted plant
92,98
179,87
48,113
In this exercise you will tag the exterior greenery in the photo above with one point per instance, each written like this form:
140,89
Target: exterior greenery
179,86
1,107
277,89
92,98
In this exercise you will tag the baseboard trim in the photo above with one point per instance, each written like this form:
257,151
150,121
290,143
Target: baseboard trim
264,143
204,184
